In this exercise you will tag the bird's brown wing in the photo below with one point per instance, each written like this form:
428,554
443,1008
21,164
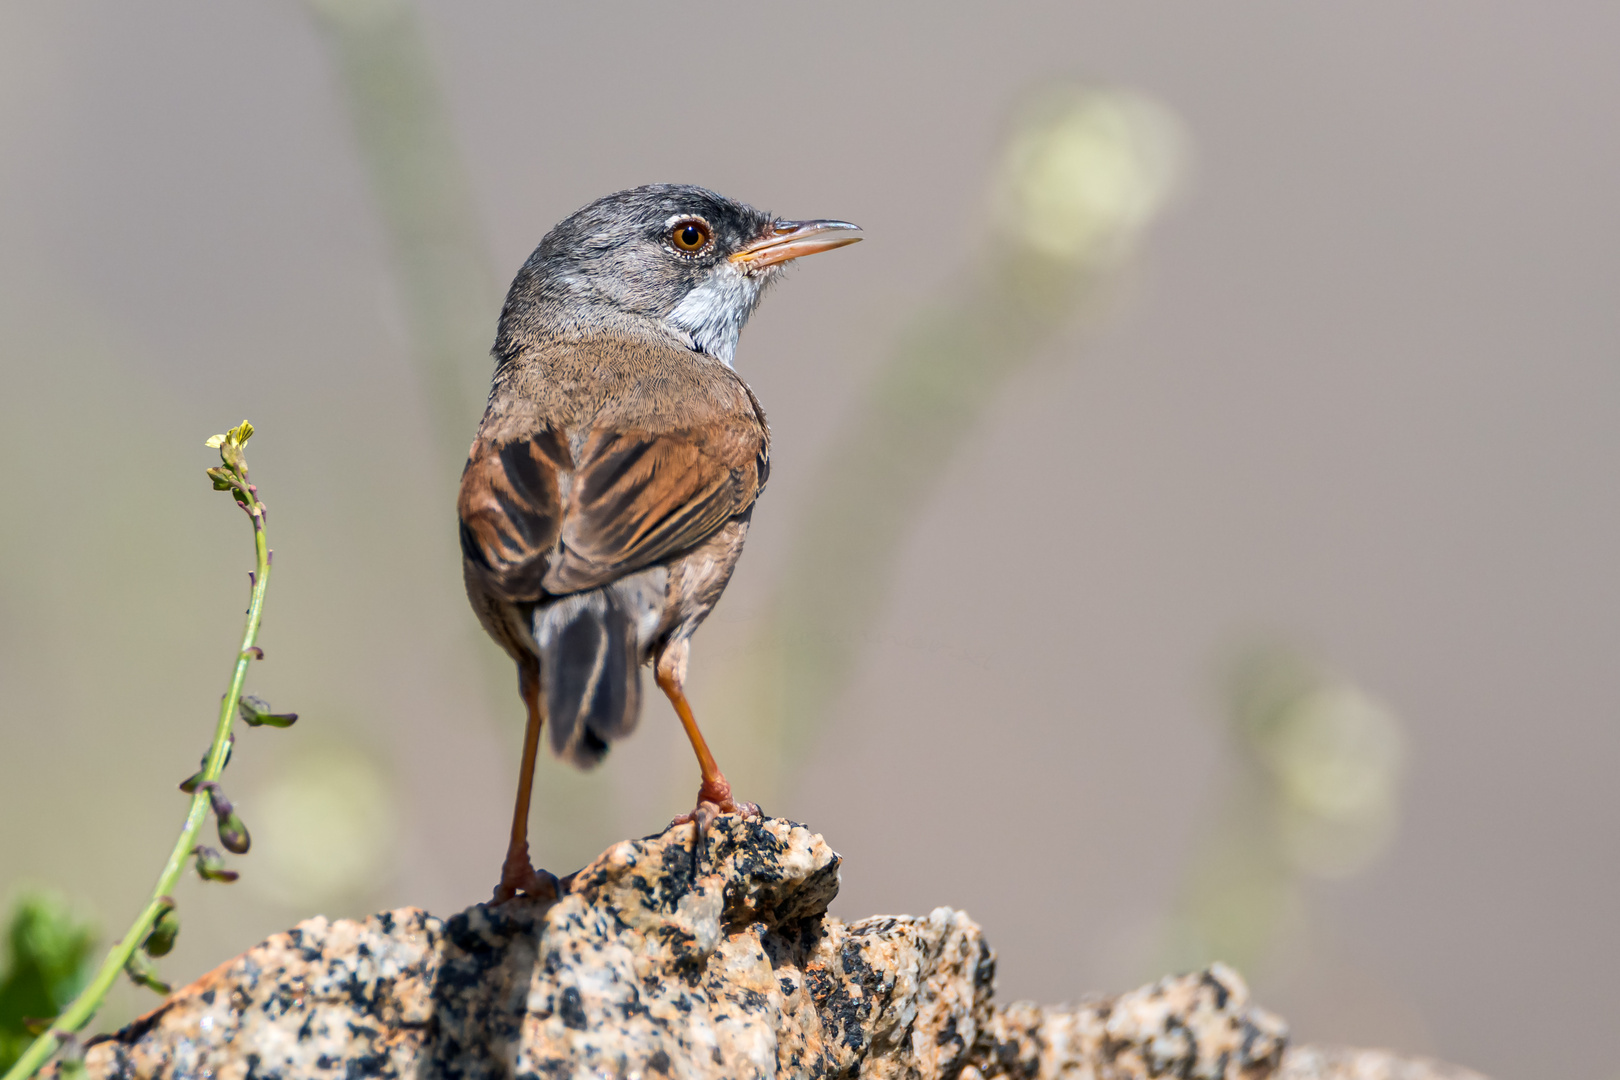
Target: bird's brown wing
511,510
534,522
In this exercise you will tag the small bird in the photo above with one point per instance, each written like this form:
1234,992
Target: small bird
608,491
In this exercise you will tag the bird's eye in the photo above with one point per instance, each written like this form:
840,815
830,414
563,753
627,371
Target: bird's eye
690,234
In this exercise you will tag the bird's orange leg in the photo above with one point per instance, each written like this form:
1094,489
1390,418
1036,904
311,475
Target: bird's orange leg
714,796
517,873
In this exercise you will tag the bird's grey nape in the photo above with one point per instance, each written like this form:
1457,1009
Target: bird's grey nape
714,311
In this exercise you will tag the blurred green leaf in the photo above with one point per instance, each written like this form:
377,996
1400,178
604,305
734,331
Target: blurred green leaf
46,964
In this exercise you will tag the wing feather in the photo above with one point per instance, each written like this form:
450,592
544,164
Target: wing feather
535,523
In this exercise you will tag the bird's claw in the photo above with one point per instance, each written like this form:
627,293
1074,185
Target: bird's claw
518,876
703,814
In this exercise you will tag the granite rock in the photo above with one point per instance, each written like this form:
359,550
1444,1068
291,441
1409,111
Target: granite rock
1342,1063
661,961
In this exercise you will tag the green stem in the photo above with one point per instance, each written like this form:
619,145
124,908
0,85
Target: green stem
83,1007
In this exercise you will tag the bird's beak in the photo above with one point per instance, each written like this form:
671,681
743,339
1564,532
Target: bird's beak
791,239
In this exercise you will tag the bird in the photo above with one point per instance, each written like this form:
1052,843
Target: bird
608,491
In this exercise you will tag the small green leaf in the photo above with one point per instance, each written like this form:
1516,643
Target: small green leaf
190,783
164,931
211,866
256,712
142,973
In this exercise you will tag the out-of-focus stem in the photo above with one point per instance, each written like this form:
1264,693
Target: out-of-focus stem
936,387
442,266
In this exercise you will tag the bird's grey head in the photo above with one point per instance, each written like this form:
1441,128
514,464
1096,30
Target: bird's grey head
683,258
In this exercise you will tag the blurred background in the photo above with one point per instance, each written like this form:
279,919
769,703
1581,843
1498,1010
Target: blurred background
1193,516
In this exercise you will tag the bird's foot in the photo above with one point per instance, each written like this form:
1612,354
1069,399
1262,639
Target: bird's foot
718,794
714,798
519,876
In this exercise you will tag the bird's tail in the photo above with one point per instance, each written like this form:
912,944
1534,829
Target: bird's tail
591,672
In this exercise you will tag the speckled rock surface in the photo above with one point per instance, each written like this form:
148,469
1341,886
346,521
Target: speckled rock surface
664,963
1341,1063
1198,1025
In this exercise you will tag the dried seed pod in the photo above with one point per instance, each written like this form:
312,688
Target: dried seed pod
216,799
234,834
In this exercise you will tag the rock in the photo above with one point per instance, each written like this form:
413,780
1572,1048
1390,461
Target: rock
1339,1063
659,962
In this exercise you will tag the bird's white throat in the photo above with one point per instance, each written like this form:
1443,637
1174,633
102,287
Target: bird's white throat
713,314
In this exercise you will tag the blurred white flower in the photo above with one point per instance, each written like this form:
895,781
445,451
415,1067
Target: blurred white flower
1086,170
323,830
1336,755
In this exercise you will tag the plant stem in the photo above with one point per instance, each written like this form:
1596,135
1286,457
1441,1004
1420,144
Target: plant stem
84,1007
